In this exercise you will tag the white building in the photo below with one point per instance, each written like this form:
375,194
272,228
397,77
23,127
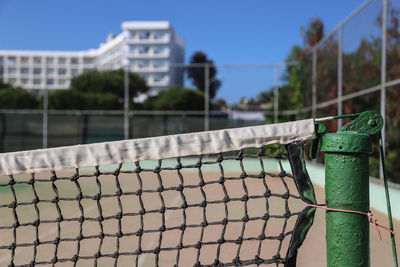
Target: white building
148,47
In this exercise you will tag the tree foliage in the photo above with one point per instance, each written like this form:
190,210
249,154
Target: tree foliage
219,104
176,98
16,98
197,74
107,83
74,99
91,90
313,33
361,70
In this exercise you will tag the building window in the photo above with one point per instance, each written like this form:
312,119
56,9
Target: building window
24,60
144,35
143,64
24,81
88,60
12,70
132,35
158,35
62,71
37,71
37,81
24,71
50,82
62,61
1,60
74,61
158,49
144,49
12,60
37,60
158,77
62,82
74,72
50,61
159,64
50,71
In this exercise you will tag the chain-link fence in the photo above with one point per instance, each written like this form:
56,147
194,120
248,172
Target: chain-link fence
46,127
356,67
23,129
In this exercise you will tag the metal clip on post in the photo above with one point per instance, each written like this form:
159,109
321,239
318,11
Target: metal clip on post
319,131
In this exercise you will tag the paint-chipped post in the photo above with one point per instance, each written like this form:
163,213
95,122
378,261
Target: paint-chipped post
347,187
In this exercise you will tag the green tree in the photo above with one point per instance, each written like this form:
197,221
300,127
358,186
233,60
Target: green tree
176,98
295,91
97,90
74,99
219,104
109,82
361,69
197,74
16,98
313,33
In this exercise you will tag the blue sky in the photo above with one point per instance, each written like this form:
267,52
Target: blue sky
229,31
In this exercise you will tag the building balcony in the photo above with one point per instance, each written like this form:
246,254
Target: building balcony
89,65
148,55
157,84
149,41
161,69
150,68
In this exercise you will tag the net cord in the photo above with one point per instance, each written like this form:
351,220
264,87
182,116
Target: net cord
171,146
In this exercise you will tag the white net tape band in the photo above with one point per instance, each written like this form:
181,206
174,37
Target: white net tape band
153,148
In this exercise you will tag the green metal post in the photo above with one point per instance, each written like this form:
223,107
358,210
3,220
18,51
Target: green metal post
347,187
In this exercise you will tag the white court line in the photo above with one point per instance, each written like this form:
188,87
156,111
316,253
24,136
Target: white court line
152,244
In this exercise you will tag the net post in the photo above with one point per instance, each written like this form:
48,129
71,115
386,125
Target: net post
347,187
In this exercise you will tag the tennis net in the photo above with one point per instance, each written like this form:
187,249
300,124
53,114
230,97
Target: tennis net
219,198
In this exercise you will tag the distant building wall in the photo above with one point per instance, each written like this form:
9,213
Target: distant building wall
147,47
247,115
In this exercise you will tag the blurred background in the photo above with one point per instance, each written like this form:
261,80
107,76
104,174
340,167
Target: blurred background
75,73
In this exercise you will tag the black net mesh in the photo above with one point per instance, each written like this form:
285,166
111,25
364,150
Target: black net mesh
217,210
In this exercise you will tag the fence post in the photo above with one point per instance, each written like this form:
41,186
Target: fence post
347,187
206,97
276,93
45,117
314,81
340,74
126,102
383,76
